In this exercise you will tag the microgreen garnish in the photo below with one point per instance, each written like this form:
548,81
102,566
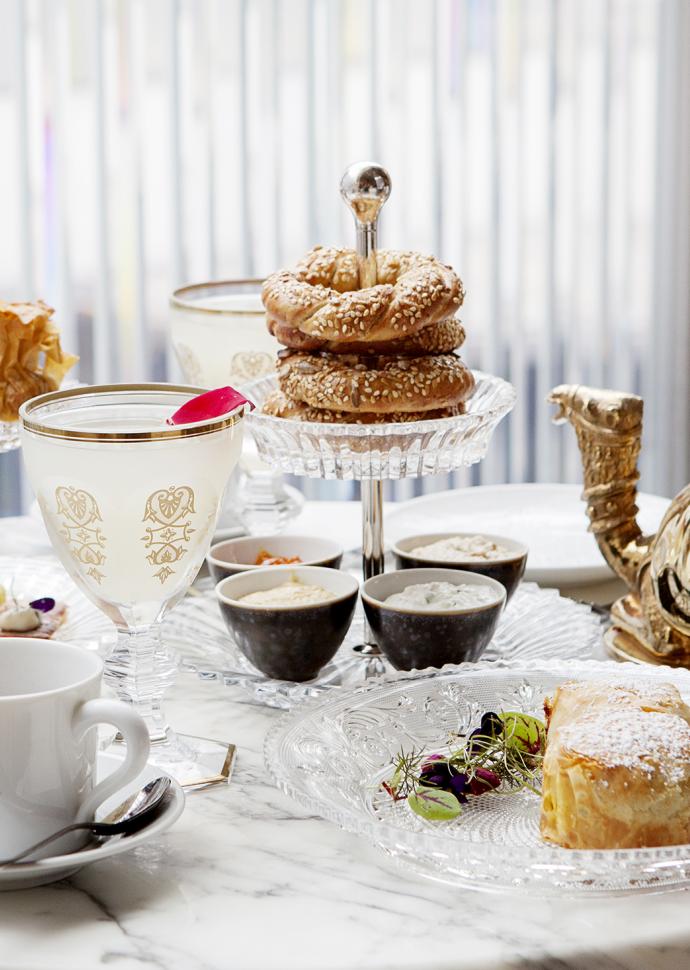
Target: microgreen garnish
434,803
506,750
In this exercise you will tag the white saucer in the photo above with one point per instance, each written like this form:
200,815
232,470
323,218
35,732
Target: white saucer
550,519
26,875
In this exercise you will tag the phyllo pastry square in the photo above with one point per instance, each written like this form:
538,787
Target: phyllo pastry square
616,772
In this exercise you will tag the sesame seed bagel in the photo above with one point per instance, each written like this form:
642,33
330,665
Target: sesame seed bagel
279,406
438,338
379,384
321,296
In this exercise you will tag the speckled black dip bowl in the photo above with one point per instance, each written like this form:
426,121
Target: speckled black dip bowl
508,570
286,642
412,639
237,555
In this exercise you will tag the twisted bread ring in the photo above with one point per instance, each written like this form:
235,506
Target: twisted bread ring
380,384
279,406
438,338
320,297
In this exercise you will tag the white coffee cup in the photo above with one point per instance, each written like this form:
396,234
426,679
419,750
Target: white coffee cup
49,709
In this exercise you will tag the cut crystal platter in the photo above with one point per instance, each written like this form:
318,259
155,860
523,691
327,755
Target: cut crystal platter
537,624
379,451
332,753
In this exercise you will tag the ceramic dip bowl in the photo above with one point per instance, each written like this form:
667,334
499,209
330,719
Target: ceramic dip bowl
237,555
288,642
412,638
508,569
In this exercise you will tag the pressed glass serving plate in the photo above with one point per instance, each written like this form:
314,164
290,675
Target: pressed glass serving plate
537,624
379,451
331,755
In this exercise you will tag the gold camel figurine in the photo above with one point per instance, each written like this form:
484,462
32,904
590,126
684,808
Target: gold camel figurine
652,622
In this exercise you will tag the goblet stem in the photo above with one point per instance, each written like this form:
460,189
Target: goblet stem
140,670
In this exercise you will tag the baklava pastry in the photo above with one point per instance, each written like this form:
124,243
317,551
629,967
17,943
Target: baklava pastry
616,772
32,360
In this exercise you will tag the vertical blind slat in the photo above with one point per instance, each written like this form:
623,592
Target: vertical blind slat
208,71
275,48
247,246
519,434
143,349
176,167
104,332
26,208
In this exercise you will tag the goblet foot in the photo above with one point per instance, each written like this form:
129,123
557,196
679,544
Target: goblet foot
140,669
193,762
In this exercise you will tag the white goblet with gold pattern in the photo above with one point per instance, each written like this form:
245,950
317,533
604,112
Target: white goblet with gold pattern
130,505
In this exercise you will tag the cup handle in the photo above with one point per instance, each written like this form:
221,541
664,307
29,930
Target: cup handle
131,726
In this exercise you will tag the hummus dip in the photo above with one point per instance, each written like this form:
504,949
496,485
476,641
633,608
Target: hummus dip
287,595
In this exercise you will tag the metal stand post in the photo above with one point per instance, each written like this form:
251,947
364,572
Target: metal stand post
372,527
365,186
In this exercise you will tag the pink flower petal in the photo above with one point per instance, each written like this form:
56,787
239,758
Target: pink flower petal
210,404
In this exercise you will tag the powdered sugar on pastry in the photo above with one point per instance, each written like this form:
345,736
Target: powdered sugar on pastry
647,741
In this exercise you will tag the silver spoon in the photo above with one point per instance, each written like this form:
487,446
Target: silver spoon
131,815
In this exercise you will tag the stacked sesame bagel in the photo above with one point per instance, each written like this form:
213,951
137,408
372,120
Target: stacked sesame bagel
378,354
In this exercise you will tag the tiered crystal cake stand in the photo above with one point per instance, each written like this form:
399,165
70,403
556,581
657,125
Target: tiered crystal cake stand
374,453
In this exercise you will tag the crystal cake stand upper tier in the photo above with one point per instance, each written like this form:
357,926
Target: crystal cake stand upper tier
382,451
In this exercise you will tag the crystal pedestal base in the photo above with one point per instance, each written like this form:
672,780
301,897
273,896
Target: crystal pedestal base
193,762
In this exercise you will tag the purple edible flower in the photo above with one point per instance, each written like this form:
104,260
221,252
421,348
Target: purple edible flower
434,781
459,787
491,724
43,605
483,781
436,772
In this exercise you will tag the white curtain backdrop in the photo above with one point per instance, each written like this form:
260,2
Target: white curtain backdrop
539,146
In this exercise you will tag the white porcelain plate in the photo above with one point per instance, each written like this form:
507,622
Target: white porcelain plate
550,519
27,875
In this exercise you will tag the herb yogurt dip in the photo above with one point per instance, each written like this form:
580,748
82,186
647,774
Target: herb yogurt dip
462,549
441,597
290,594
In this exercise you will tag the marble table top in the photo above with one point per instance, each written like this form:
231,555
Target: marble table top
248,880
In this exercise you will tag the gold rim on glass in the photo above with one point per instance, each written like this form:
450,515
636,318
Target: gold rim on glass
178,298
191,430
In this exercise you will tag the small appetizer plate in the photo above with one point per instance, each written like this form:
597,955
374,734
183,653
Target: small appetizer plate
331,754
25,875
42,576
238,555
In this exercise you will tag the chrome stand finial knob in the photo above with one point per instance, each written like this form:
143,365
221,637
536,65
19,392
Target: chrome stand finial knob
365,186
